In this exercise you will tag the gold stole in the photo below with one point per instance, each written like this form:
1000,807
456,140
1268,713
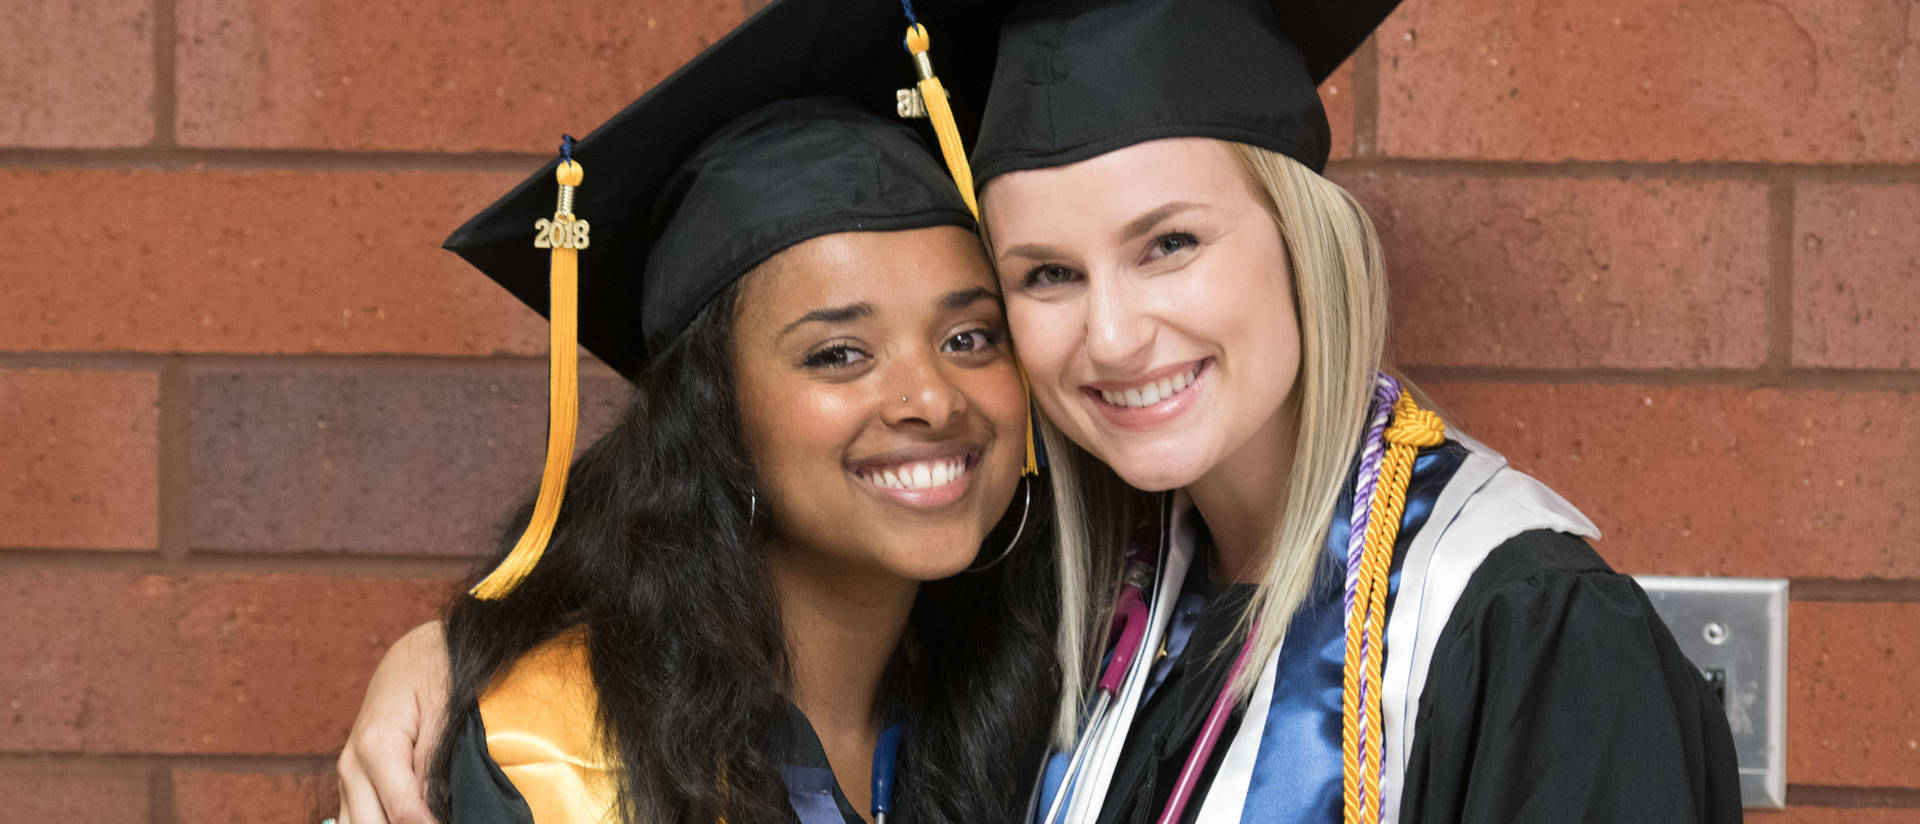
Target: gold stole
542,726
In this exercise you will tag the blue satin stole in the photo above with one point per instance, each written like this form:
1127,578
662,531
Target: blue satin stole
1296,776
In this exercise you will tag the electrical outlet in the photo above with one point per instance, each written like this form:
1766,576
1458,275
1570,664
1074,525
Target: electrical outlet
1735,631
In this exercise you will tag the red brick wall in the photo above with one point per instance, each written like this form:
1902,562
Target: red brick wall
251,419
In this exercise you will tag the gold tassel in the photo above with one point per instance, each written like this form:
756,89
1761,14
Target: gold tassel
933,99
566,235
1032,466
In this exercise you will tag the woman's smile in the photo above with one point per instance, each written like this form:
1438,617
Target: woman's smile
1150,400
925,477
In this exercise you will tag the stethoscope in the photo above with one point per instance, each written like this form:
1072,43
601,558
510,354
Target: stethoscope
1129,625
884,754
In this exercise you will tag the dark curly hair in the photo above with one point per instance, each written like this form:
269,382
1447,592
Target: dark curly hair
653,556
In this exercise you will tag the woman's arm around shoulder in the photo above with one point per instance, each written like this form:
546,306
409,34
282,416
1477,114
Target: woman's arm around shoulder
384,764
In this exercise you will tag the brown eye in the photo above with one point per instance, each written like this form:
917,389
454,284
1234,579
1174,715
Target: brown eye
833,357
971,341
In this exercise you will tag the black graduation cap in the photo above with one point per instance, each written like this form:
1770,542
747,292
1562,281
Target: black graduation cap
666,186
784,130
1080,78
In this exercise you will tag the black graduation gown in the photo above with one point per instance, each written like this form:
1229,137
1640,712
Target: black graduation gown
1556,694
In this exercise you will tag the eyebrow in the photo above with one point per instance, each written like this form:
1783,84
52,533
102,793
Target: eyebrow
963,298
1145,223
1134,229
831,314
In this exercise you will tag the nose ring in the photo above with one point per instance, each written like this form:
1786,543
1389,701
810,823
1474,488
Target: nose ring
903,399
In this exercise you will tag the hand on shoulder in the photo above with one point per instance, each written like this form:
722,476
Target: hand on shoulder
384,764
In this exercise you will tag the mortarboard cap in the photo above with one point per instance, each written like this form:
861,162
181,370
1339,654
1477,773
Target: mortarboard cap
1076,79
663,175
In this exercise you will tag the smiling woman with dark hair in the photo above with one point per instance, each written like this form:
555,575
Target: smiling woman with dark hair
763,566
791,582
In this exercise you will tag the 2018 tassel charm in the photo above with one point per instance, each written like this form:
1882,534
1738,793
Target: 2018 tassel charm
565,234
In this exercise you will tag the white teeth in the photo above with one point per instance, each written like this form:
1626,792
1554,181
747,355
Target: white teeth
1153,392
922,475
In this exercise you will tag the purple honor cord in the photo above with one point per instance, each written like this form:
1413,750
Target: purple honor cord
1386,394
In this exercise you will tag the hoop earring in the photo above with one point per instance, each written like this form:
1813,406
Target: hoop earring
753,508
1025,507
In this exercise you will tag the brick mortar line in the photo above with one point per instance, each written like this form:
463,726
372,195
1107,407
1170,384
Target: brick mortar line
305,159
1779,297
238,360
1857,173
160,804
1896,380
531,366
202,562
1854,590
1888,380
450,568
1832,797
1366,99
170,158
175,476
98,763
166,104
83,763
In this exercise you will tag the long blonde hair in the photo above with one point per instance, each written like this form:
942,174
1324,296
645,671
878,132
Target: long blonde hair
1340,293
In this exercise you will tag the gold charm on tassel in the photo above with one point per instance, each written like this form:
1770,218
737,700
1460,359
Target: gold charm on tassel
565,234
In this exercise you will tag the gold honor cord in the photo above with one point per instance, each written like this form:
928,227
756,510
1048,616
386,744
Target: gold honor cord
1412,429
566,235
931,102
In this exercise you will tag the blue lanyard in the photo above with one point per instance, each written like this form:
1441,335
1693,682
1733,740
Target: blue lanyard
885,754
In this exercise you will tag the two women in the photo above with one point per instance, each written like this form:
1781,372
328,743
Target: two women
1338,608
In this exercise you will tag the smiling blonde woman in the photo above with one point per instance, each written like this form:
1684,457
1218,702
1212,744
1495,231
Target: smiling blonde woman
1292,591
